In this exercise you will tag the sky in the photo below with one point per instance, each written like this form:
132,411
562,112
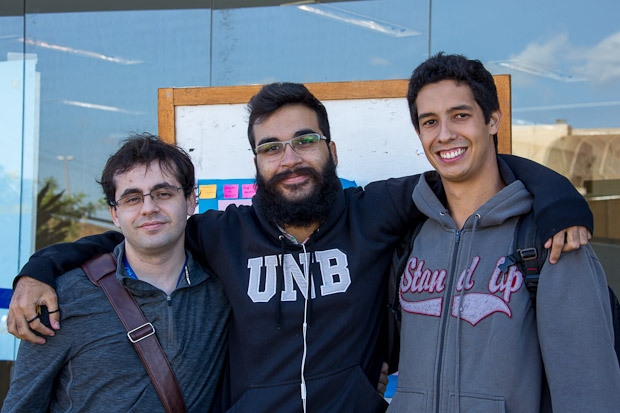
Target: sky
100,71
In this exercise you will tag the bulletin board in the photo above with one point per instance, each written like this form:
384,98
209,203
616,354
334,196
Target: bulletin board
369,122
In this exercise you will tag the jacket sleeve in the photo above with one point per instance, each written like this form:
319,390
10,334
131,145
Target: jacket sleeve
48,263
35,372
557,204
400,199
197,226
576,334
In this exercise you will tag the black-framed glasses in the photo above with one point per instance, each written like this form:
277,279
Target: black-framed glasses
159,196
300,144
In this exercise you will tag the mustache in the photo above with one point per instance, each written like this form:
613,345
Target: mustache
302,170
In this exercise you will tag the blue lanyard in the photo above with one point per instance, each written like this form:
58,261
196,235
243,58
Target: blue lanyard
133,275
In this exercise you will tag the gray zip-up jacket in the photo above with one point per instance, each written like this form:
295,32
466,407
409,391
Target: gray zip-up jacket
90,365
493,349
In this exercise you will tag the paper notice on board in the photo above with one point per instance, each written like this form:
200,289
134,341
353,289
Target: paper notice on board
231,191
207,191
248,190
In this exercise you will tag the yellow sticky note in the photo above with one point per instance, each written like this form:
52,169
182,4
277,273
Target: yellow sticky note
207,191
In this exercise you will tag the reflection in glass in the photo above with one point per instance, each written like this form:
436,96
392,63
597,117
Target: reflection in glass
356,40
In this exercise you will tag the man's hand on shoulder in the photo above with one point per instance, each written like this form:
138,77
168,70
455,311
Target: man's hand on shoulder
383,379
29,294
569,239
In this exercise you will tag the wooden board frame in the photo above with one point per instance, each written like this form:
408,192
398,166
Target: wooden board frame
170,98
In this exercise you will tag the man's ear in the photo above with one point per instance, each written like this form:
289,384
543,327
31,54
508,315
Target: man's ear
332,147
191,203
114,216
494,122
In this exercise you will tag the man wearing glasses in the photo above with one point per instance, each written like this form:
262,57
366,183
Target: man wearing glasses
91,366
303,267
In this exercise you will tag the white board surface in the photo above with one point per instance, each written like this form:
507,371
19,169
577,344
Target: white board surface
374,139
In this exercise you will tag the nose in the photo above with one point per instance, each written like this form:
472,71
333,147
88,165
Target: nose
290,157
149,206
446,132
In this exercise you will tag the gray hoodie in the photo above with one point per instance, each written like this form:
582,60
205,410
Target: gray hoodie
496,355
90,365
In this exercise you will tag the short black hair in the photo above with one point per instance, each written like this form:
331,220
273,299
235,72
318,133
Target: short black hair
142,149
463,71
273,96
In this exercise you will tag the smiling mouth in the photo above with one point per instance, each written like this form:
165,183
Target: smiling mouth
295,179
151,225
452,153
298,176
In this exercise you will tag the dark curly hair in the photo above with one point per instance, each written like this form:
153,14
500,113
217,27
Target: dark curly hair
142,149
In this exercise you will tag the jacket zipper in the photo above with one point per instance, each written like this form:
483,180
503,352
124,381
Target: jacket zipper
170,322
445,318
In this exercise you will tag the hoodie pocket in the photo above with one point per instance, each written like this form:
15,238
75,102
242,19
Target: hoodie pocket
409,400
479,403
344,391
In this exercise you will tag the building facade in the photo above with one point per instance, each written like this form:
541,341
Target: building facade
77,77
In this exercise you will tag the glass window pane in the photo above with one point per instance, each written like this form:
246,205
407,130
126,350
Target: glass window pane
564,59
337,41
100,72
16,177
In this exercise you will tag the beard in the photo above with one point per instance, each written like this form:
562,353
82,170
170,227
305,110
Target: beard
311,209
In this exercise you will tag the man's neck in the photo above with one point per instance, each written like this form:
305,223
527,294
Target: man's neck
464,198
301,234
160,269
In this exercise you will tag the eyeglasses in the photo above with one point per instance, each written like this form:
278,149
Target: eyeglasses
159,196
300,144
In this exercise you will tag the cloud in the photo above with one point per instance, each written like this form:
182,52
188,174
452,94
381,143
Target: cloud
544,54
379,61
557,59
543,58
602,61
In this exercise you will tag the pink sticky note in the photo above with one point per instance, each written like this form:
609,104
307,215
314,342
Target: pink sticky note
231,191
248,190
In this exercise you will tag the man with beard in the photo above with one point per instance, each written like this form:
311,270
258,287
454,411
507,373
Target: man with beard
303,267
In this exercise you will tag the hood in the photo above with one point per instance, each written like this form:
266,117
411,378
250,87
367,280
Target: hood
511,201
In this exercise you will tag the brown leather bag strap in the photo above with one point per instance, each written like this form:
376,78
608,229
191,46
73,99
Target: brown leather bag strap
101,270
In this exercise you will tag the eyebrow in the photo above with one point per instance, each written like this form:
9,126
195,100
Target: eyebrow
452,109
425,115
300,132
132,191
461,107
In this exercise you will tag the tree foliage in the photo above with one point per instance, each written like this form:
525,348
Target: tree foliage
58,215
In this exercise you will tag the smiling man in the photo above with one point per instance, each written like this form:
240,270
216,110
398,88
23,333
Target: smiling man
92,365
303,267
298,186
471,339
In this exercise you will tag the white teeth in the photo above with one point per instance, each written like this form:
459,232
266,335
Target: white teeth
451,154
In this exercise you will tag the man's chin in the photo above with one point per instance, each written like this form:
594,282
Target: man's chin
295,193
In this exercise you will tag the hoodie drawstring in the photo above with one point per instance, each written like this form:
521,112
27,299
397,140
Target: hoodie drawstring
457,372
305,325
280,281
309,263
